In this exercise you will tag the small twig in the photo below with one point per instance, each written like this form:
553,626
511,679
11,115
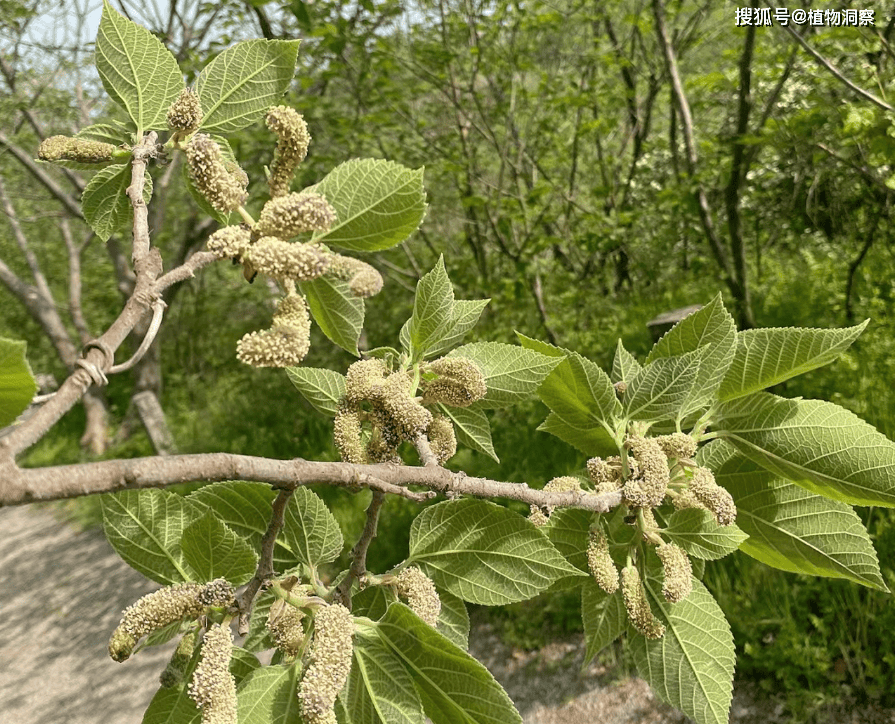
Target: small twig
264,569
185,271
358,567
427,457
158,311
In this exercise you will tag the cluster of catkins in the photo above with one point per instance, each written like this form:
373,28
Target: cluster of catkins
270,246
397,408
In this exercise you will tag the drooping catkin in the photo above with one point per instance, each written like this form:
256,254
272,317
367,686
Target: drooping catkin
213,687
636,604
293,140
647,489
600,563
329,664
677,571
713,496
419,591
223,189
460,382
81,150
295,213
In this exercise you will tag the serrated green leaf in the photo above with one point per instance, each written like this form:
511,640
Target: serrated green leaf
373,601
145,527
544,348
404,336
259,638
661,389
336,310
791,528
311,530
604,618
454,687
378,204
172,706
105,133
711,329
17,385
472,428
698,533
433,311
453,622
766,357
239,85
568,529
691,666
818,445
379,690
593,441
320,387
214,551
267,696
466,315
484,553
512,374
624,365
580,394
137,71
105,203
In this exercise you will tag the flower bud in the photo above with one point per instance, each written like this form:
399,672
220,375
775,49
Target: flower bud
293,214
223,189
677,572
286,260
442,438
213,687
292,147
647,489
600,563
636,604
231,242
65,148
284,624
419,591
460,382
185,113
329,666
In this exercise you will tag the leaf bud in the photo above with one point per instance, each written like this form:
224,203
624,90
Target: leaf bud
286,260
677,572
179,661
225,190
636,604
647,489
213,687
460,382
678,445
363,280
347,435
185,113
65,148
293,140
442,438
295,213
419,591
600,563
284,624
230,242
329,664
715,498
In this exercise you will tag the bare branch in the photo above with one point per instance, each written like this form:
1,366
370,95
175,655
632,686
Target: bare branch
74,282
358,568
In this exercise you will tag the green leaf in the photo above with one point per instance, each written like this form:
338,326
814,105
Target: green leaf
512,374
766,357
322,388
17,385
378,204
791,528
604,618
453,622
242,663
106,133
592,441
105,203
454,687
661,390
172,706
543,347
624,365
137,71
713,329
215,551
472,428
145,527
239,85
697,532
433,311
311,530
484,553
336,310
821,446
259,638
691,666
379,689
373,601
267,696
466,315
568,529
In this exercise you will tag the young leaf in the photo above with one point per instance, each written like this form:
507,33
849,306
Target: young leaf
661,390
592,441
433,311
259,638
311,530
466,316
472,428
624,365
818,445
105,133
691,666
104,201
791,528
379,688
240,84
137,71
322,388
373,601
378,204
172,706
453,686
713,329
145,527
603,616
453,622
215,551
568,530
267,696
766,357
512,374
697,532
484,553
17,385
336,310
